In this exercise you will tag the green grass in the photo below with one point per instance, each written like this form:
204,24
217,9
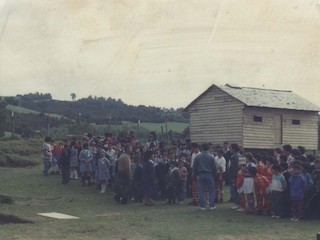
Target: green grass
173,126
156,127
18,109
102,218
20,152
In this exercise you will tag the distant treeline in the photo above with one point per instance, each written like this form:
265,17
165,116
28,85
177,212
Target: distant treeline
98,110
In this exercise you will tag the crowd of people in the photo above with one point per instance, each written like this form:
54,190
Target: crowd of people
283,184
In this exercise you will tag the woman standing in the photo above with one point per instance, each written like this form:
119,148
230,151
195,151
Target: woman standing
148,177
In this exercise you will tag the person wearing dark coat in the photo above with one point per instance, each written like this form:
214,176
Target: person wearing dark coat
174,182
65,164
148,177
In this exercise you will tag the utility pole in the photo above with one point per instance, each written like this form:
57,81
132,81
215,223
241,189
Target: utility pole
109,127
48,124
138,129
79,122
12,124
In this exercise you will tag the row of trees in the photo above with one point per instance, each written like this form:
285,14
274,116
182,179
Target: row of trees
76,116
99,109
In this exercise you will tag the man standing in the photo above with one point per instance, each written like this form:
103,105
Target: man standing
124,177
205,169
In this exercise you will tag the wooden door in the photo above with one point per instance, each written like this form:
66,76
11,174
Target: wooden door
278,129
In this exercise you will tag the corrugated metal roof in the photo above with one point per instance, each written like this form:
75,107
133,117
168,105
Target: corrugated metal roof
257,97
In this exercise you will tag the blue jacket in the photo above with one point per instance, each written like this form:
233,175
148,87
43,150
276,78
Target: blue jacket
298,187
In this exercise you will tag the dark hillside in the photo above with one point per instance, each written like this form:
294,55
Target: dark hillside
99,110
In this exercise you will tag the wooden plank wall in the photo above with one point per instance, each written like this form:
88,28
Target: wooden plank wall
262,135
216,117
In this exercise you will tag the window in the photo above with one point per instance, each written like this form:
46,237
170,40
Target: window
257,119
295,122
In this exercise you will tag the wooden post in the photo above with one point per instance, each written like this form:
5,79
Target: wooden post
12,125
138,129
48,124
318,236
109,127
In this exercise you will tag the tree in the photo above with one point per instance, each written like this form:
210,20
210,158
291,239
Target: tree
73,96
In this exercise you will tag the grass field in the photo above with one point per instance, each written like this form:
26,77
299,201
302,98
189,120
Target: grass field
173,126
144,129
20,152
18,109
102,218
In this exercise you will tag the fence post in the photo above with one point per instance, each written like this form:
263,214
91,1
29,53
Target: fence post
318,236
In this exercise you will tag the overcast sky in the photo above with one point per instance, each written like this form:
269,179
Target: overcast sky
161,53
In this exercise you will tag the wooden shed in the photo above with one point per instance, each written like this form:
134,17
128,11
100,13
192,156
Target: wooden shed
254,118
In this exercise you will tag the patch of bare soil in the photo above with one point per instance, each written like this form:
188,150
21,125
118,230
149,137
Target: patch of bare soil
10,162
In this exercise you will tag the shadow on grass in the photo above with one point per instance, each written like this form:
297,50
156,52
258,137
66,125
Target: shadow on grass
6,219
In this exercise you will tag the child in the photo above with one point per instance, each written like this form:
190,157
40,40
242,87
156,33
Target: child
73,160
305,168
298,187
313,203
278,185
248,185
65,164
261,185
268,168
260,165
85,158
183,172
286,198
103,170
221,175
238,183
173,182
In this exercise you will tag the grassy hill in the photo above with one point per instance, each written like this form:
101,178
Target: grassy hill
20,153
173,126
18,109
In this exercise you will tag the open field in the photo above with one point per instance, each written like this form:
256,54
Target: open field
19,109
102,218
177,127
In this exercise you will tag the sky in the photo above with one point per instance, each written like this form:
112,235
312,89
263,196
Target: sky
162,53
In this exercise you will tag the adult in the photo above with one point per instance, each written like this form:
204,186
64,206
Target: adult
194,184
123,177
204,168
47,155
148,177
233,167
